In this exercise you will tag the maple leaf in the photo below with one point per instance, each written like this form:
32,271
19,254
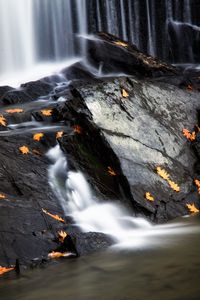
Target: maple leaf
125,94
47,112
173,185
14,110
24,149
149,197
111,172
189,87
162,173
190,136
4,270
38,136
59,134
2,196
119,43
77,129
62,235
2,121
54,254
56,217
192,208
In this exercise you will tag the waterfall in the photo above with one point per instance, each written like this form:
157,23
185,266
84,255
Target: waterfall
33,32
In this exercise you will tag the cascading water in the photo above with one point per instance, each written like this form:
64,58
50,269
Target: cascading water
73,192
34,32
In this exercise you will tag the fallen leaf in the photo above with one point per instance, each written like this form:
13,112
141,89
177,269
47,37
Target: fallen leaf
125,94
47,112
56,217
24,150
37,137
173,185
197,182
2,121
77,129
111,172
4,270
14,110
62,235
119,43
162,173
54,254
192,208
59,134
190,136
149,197
2,196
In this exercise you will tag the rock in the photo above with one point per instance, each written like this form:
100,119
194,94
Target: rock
133,136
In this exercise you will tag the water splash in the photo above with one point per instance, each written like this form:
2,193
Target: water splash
73,192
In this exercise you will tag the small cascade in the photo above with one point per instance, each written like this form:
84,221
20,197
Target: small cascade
74,195
34,32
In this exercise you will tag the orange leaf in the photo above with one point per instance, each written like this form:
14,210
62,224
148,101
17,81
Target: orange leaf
197,182
173,185
62,235
24,150
14,110
111,172
189,87
2,196
149,197
192,208
38,136
5,270
2,121
59,134
188,135
77,129
56,217
54,254
47,112
162,173
125,94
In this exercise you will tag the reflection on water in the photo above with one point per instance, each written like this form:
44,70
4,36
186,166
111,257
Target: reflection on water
168,271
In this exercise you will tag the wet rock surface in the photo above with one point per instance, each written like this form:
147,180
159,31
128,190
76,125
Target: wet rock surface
116,131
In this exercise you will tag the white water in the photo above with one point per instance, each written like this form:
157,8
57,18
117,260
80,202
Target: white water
73,192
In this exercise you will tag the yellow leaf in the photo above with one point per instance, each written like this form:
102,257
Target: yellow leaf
192,208
149,197
119,43
77,129
162,173
24,150
56,217
173,185
54,254
38,136
2,196
111,172
14,110
2,121
59,134
62,235
125,94
47,112
5,270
